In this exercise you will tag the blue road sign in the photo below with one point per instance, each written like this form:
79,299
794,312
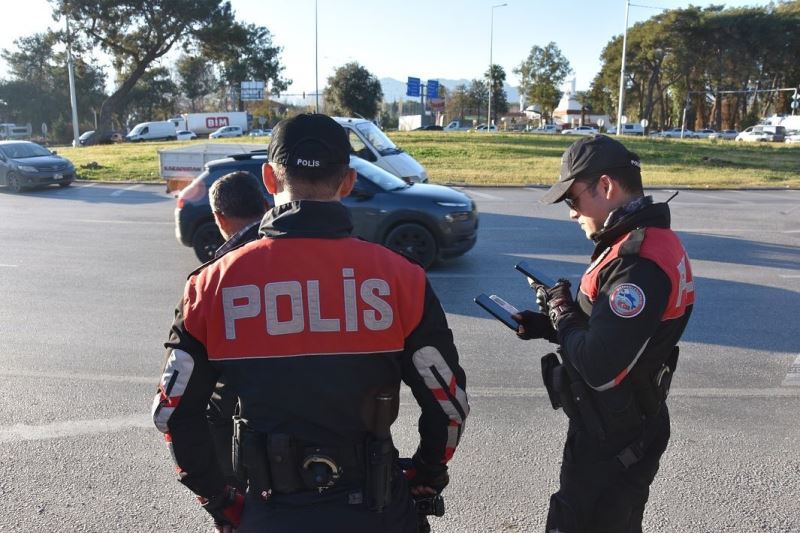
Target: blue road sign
433,89
412,87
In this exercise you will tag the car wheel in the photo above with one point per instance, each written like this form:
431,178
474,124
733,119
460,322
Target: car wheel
414,241
206,240
65,184
14,183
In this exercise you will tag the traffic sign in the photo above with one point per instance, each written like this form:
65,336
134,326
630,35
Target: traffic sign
644,123
433,89
796,95
601,122
412,87
623,119
795,104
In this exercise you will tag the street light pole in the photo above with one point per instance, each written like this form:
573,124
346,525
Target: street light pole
72,96
491,70
621,101
316,58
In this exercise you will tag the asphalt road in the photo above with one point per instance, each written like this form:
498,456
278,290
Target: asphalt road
89,277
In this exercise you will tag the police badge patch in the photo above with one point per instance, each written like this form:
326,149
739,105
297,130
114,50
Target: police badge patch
627,300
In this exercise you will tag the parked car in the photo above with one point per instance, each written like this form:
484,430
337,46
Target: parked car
91,137
24,165
260,133
546,129
459,125
628,129
675,133
580,130
727,135
153,131
226,131
186,135
426,222
792,136
704,133
429,127
763,133
482,127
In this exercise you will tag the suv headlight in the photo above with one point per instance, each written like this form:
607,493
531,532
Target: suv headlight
453,204
26,168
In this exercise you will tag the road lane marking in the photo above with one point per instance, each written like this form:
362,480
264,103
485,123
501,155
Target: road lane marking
151,380
789,276
792,378
85,185
8,266
791,231
122,191
137,222
71,428
484,392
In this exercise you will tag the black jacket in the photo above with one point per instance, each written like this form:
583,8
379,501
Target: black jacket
634,302
306,324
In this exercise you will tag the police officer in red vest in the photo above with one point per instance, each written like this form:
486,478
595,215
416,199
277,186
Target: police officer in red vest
313,330
618,340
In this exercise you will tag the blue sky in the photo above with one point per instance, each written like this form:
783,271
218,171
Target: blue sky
426,39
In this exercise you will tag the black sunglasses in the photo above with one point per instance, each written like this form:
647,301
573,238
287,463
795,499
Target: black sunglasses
572,203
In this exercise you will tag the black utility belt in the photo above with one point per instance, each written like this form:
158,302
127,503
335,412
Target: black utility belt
568,391
278,463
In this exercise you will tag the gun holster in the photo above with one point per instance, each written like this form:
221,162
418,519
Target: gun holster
567,391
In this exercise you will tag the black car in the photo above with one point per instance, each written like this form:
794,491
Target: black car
427,222
91,137
24,164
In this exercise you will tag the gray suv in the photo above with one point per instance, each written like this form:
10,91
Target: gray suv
426,222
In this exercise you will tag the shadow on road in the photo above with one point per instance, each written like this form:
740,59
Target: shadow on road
727,313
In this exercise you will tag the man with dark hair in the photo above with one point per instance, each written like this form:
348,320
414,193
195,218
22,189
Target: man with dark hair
618,341
238,204
237,201
314,331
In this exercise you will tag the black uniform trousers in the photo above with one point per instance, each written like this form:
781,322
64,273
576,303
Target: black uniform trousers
597,495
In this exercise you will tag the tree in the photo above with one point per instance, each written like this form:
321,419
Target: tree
196,78
541,75
478,94
136,33
153,97
246,53
495,79
38,88
353,91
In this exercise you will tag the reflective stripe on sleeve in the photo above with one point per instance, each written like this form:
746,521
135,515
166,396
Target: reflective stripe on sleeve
173,384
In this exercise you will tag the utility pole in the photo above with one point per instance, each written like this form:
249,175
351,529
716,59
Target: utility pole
316,57
621,101
72,96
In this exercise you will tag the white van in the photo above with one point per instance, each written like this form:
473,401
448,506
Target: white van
369,142
628,129
459,125
153,131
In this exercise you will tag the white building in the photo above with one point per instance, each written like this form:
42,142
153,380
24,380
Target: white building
568,111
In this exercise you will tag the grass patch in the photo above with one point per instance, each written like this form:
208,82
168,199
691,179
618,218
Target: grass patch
512,159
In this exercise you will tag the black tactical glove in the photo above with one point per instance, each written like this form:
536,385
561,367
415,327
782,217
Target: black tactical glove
225,508
559,302
534,325
426,475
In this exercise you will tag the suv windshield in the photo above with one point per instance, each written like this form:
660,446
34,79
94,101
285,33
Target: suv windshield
378,176
24,150
376,138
